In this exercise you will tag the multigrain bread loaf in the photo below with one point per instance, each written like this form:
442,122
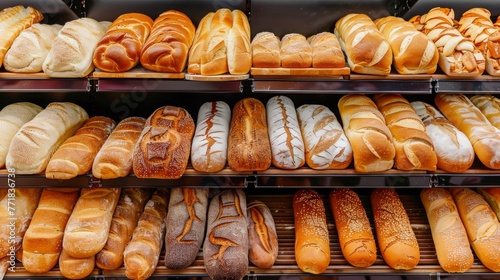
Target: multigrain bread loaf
481,224
448,232
396,239
370,138
262,235
414,148
492,196
120,48
295,51
326,51
489,106
76,155
453,149
326,144
194,58
266,50
75,268
114,159
353,227
484,137
37,140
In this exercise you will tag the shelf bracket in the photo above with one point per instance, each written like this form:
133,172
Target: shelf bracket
247,86
250,180
95,182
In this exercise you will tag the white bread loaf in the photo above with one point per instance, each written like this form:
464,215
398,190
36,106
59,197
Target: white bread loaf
326,51
214,51
194,57
36,141
266,50
489,106
239,52
295,51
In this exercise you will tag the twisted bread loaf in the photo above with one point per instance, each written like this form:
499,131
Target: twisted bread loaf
326,51
266,50
489,106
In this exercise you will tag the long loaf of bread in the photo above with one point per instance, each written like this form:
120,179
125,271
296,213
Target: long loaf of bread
75,268
213,59
492,196
194,59
262,235
489,106
239,52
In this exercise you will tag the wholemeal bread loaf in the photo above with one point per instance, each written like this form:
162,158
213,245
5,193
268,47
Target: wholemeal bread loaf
75,268
266,50
262,235
326,144
489,106
194,59
448,232
326,51
239,53
295,51
492,196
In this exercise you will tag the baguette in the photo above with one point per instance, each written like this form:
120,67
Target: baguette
214,51
326,51
75,268
194,58
489,105
295,51
266,50
492,196
262,235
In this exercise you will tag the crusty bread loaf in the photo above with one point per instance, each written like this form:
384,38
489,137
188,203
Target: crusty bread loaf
120,48
114,159
209,145
327,146
129,208
481,224
88,226
366,49
36,141
484,137
163,148
4,266
295,51
266,50
42,242
312,241
370,138
186,219
249,148
353,227
448,232
12,118
239,52
225,249
414,148
30,48
194,59
489,106
75,268
287,145
326,51
213,60
262,235
453,149
76,155
492,196
395,236
413,52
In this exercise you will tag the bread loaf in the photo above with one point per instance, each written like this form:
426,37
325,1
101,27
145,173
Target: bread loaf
129,208
295,51
370,138
213,60
88,226
239,53
492,196
186,219
12,118
4,266
143,252
453,149
167,47
312,241
355,234
114,159
266,50
448,232
287,145
413,52
225,249
36,141
209,145
30,48
163,148
484,137
120,47
249,148
262,235
414,148
326,51
194,59
42,242
489,106
396,239
75,268
326,144
481,224
76,155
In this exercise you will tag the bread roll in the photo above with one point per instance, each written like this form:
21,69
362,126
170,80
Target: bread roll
326,51
42,242
366,49
30,48
326,144
413,52
448,232
249,148
355,234
214,51
481,224
266,50
295,51
76,155
370,138
36,141
262,235
186,219
287,145
492,196
12,118
209,145
453,149
114,159
225,249
396,239
414,148
194,59
484,137
239,53
88,226
489,106
163,148
312,241
143,251
75,268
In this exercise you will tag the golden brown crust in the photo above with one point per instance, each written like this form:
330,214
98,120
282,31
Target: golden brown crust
263,239
326,51
75,268
489,106
492,196
266,50
295,51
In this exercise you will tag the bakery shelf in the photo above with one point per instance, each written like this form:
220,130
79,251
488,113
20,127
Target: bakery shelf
37,84
165,85
483,84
